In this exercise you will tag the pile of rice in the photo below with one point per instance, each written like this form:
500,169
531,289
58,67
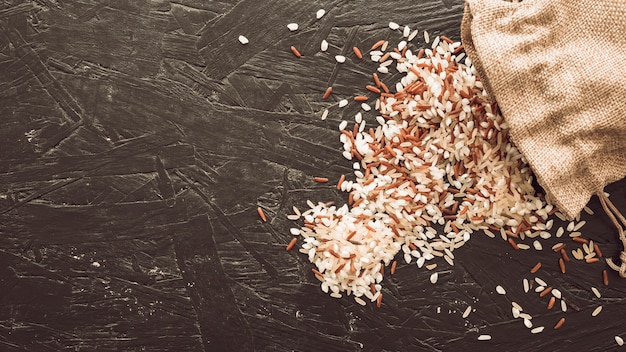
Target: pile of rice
438,167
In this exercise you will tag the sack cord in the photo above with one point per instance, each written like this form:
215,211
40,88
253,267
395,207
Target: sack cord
614,214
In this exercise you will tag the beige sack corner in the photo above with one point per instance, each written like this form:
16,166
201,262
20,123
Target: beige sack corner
558,73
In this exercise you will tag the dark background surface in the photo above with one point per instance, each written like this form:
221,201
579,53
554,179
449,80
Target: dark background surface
138,139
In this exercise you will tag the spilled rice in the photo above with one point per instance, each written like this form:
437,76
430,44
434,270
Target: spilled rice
438,159
436,168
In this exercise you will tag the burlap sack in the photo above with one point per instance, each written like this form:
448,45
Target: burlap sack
557,70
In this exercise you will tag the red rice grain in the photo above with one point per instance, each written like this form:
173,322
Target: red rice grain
545,292
378,44
535,268
559,324
512,243
551,303
327,93
291,244
261,214
295,51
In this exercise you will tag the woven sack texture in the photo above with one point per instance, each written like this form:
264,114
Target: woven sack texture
556,69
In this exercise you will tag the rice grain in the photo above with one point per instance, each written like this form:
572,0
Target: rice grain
434,277
467,312
596,311
324,45
537,330
559,324
596,292
500,290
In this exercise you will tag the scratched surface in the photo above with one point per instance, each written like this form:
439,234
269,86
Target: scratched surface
138,139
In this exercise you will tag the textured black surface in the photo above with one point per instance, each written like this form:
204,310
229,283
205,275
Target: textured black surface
138,139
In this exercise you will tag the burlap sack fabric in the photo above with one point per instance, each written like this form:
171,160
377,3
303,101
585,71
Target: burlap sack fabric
557,71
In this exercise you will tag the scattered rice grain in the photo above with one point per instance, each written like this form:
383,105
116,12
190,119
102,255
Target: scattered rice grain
433,277
596,311
559,324
359,301
467,312
537,330
500,290
324,45
596,292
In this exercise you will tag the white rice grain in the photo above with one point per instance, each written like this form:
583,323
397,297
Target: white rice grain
579,225
406,31
342,125
596,311
434,277
467,312
292,27
525,316
559,231
243,40
528,323
359,301
540,282
324,45
294,231
596,292
537,330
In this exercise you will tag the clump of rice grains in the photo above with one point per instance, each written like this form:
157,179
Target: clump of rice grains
438,167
